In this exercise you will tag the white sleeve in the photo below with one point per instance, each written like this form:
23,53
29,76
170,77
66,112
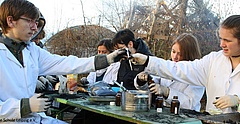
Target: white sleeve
91,78
53,64
190,72
111,73
10,108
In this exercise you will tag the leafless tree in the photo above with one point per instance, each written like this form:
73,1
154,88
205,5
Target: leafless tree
79,40
158,22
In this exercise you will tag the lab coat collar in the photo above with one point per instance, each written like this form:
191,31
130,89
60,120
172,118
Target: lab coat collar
21,47
236,70
9,55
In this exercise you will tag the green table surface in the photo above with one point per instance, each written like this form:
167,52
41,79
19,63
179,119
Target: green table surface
146,117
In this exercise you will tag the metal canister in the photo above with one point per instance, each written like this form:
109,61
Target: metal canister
135,100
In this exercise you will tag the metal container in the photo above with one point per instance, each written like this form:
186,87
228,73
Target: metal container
135,100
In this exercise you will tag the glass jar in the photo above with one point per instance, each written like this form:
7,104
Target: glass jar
175,105
159,103
118,99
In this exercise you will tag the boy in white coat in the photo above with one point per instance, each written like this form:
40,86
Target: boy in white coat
22,62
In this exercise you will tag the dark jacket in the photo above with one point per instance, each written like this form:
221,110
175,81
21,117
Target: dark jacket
125,74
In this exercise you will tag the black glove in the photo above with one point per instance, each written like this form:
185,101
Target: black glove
102,61
83,81
143,78
122,56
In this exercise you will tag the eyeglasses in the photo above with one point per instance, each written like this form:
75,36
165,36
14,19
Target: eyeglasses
30,21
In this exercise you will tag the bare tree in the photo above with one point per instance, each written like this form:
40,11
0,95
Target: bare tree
79,40
159,23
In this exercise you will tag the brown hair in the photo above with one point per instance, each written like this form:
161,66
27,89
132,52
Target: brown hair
232,22
189,46
16,8
124,37
107,42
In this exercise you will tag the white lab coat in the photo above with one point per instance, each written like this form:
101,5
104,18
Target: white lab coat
109,76
188,95
214,71
17,81
92,76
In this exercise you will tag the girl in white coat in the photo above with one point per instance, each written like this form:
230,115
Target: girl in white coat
104,47
185,47
218,72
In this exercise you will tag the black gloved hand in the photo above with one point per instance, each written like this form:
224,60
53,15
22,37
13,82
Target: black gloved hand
122,56
143,78
83,81
102,61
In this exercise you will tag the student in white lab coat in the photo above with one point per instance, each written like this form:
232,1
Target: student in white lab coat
104,47
22,62
184,48
218,72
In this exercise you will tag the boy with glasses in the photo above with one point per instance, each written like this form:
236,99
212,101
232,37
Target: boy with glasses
22,62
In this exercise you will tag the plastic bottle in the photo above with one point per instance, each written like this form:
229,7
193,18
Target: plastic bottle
175,105
159,103
118,98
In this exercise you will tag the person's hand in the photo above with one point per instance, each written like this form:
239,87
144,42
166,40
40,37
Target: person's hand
111,57
226,101
83,81
51,78
139,59
143,76
43,80
40,85
46,82
158,89
39,104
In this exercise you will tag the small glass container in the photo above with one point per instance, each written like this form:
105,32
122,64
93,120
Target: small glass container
118,99
159,103
175,105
